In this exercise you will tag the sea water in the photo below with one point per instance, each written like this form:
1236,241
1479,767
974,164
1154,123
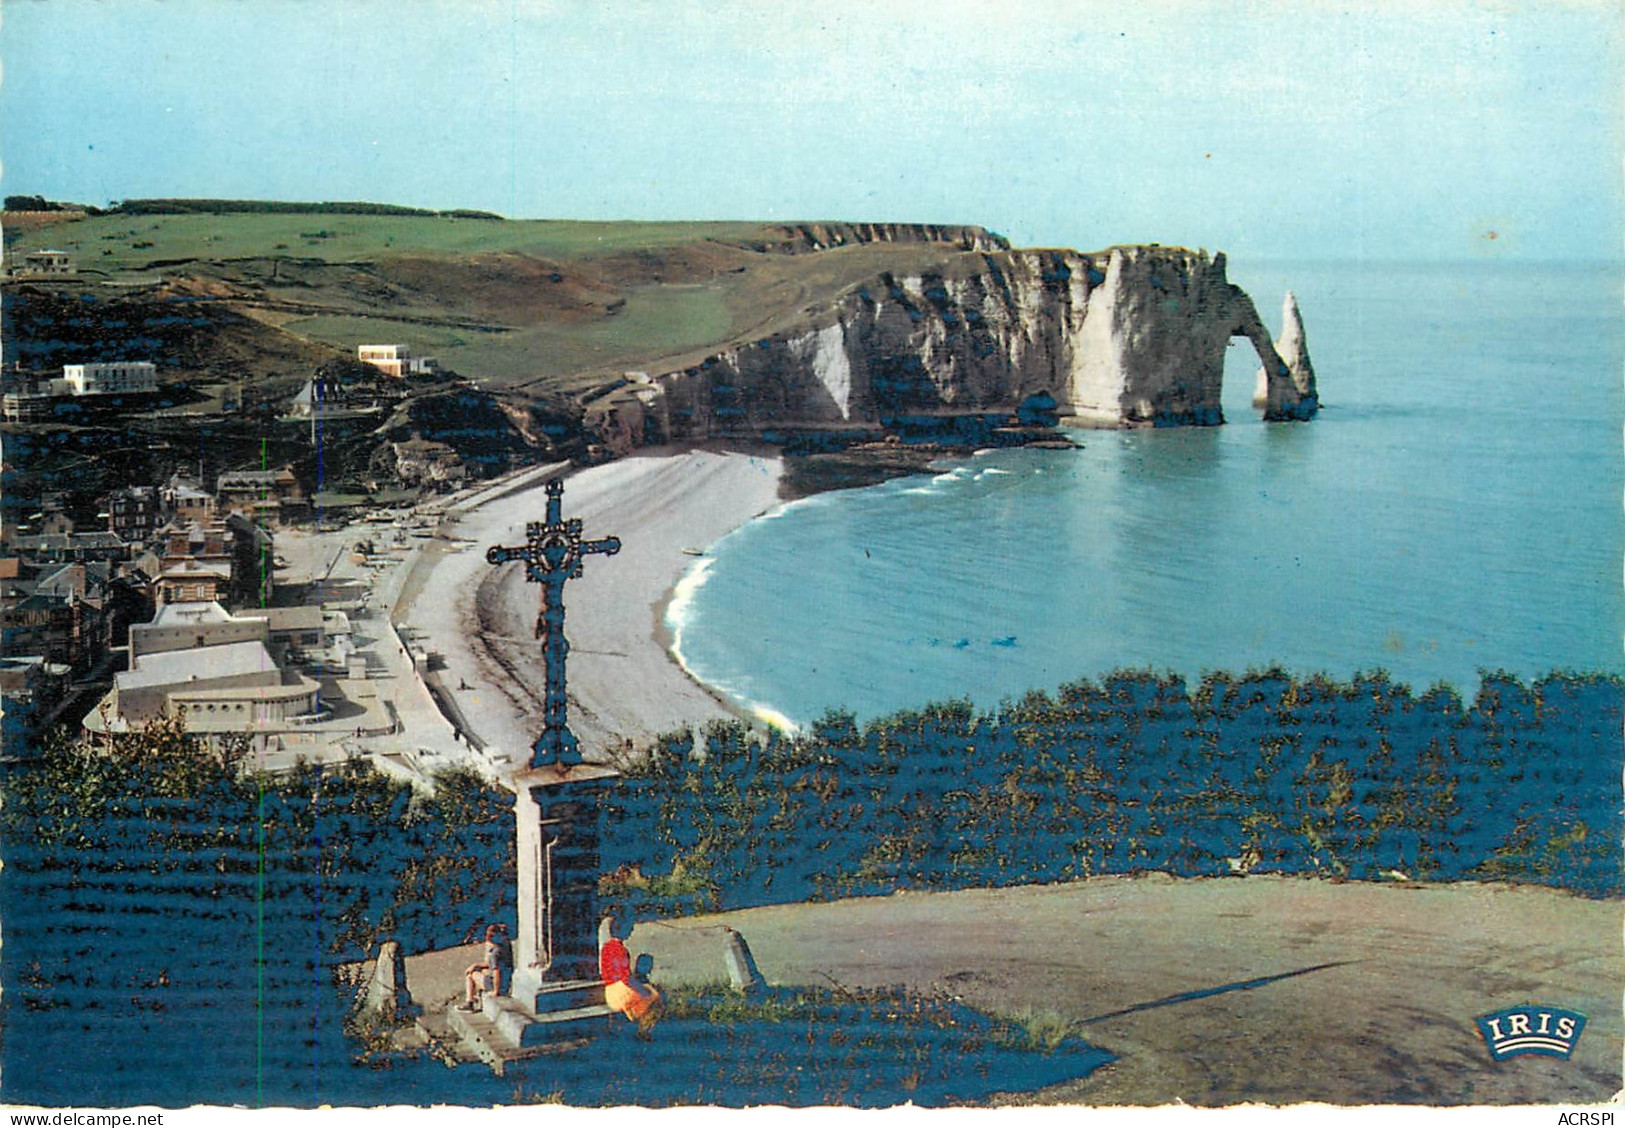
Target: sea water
1454,508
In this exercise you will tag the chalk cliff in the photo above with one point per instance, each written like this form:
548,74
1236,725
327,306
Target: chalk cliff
1130,336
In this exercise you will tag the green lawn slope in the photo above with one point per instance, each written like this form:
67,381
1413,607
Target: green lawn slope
534,306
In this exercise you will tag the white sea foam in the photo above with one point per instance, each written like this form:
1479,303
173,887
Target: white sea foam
766,714
682,598
771,716
677,618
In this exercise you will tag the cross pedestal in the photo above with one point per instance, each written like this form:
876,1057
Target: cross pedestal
556,819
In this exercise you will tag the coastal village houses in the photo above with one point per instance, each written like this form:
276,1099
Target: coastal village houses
79,606
187,501
132,513
167,602
267,496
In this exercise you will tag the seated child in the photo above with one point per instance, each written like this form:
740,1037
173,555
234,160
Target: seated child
623,991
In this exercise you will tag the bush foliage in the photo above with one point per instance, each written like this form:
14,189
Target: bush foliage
1258,773
183,919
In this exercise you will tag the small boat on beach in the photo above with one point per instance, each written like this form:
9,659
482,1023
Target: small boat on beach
693,552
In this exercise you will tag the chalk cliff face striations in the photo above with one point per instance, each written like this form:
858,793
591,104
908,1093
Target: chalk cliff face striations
1131,336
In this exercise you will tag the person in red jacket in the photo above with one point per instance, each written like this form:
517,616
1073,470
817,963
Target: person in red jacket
624,991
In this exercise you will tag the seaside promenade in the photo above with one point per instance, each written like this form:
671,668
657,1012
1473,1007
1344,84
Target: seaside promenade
404,733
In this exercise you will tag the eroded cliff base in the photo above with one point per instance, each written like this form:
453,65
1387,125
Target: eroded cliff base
872,462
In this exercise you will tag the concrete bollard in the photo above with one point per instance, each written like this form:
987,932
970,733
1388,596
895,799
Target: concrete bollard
387,993
742,973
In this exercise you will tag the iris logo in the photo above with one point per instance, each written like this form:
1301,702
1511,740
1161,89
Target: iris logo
1531,1029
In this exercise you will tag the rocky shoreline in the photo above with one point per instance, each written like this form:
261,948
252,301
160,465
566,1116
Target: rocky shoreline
870,463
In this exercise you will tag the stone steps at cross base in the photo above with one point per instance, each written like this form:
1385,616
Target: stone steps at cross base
504,1031
434,1029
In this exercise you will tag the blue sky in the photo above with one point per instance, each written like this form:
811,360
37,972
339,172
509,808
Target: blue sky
1440,129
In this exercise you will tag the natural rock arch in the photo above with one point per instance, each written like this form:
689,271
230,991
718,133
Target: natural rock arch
1150,349
1285,388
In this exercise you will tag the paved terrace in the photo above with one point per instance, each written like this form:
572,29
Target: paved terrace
416,738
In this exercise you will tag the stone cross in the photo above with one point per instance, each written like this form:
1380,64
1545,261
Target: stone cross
555,805
552,554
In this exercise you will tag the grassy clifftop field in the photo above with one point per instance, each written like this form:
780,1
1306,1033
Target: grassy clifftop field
535,306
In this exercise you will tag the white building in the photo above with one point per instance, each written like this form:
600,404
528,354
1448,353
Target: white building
107,378
395,360
224,670
239,680
192,626
388,359
48,262
27,407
